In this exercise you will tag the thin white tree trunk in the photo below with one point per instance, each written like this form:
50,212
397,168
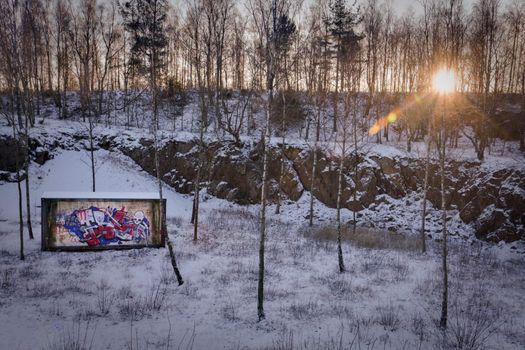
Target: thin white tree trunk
444,305
425,190
281,173
19,189
157,168
339,195
314,165
262,215
28,192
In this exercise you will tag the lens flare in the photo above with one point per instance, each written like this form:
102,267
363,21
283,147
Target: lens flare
383,122
392,117
395,114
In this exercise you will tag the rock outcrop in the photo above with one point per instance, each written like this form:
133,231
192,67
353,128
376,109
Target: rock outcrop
492,202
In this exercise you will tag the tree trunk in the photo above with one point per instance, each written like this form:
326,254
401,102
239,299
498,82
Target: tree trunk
425,189
19,188
314,163
281,173
262,214
28,196
92,154
153,82
356,160
196,198
20,217
338,219
444,305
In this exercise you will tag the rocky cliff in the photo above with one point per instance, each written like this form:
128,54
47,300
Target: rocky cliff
490,201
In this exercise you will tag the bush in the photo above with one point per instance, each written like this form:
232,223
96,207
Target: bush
293,107
156,296
387,317
473,323
105,297
173,88
229,312
132,309
7,279
80,336
304,310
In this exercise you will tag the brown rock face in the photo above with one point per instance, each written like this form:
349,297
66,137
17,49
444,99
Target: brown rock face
491,220
492,202
8,155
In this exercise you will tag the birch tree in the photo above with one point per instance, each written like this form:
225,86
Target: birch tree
10,69
146,19
266,17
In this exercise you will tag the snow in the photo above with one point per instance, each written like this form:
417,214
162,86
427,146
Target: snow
101,195
306,298
388,298
387,151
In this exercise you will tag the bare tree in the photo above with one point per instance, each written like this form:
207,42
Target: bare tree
266,19
62,28
483,41
285,31
218,14
194,28
146,20
343,144
11,71
109,50
441,141
235,116
373,25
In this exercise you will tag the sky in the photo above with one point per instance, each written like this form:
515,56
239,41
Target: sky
400,6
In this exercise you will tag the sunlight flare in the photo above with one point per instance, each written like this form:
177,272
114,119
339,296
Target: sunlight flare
444,81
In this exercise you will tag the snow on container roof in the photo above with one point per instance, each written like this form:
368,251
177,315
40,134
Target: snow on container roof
101,195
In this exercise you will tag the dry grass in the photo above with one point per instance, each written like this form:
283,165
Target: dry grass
79,336
367,237
231,220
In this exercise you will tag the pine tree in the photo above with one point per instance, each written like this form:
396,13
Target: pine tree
341,23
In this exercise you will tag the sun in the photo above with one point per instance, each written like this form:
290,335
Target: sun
444,81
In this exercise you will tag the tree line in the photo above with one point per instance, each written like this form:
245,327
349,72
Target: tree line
55,46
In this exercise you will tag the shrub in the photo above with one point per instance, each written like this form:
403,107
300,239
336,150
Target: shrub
228,311
473,323
80,336
387,317
293,107
132,309
304,310
104,296
156,296
7,279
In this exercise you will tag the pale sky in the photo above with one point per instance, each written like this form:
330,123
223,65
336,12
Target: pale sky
400,6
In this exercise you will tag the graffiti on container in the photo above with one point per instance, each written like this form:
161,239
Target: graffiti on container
95,226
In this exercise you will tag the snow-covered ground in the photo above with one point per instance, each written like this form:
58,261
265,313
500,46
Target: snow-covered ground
388,298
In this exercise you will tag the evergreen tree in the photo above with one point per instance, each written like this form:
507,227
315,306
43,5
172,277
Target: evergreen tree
341,22
145,20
